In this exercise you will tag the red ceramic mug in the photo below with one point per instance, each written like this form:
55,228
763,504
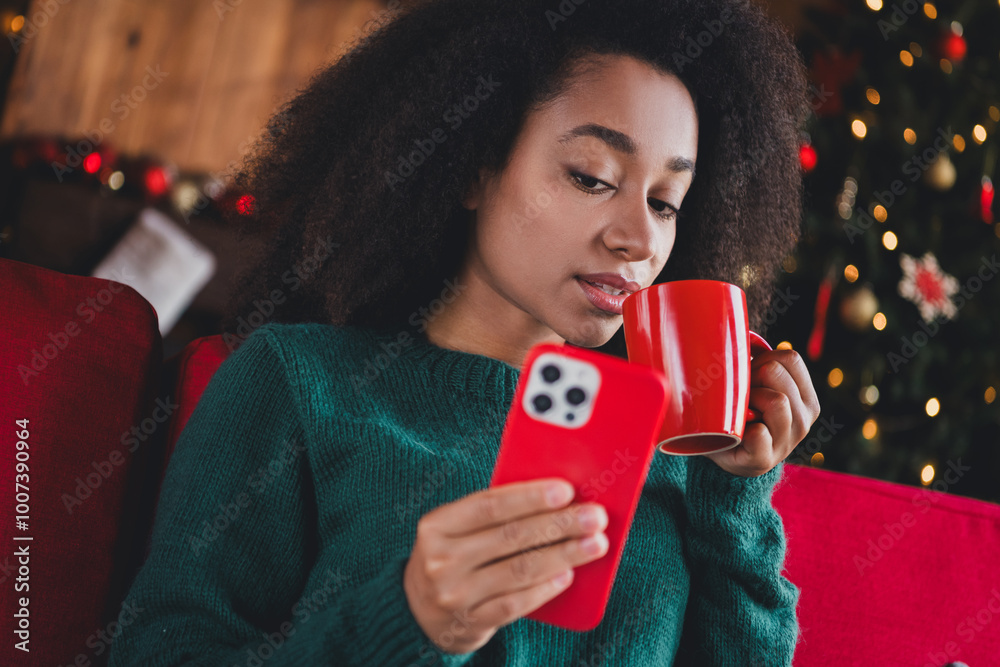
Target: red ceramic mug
697,333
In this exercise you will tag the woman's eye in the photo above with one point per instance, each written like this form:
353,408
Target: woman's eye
588,182
663,209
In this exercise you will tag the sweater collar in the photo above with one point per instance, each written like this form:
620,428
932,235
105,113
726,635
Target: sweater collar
470,373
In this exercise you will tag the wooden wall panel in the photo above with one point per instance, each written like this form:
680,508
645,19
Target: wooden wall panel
228,65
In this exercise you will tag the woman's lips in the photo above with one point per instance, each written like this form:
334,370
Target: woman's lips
601,299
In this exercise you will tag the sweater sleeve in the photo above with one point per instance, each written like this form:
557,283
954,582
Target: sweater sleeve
741,610
234,542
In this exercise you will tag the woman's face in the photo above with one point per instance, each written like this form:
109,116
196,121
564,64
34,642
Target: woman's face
592,187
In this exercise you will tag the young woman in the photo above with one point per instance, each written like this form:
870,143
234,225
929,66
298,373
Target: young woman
462,186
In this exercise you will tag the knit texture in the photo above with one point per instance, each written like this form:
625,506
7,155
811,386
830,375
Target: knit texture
289,509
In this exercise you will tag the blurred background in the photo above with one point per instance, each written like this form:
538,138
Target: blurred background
123,122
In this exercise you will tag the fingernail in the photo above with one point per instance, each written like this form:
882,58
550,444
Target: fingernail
563,579
593,517
558,494
594,544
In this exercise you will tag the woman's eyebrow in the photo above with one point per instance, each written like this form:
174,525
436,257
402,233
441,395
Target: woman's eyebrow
623,143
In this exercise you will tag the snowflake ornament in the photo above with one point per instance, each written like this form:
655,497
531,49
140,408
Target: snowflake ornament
926,285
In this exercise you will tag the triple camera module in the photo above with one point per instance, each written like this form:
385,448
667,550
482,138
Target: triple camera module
561,390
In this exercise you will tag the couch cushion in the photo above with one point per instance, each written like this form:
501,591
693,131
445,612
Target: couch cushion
891,574
196,364
80,360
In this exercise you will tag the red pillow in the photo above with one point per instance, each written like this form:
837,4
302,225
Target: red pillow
81,359
891,574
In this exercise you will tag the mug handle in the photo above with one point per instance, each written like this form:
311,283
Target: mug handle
757,344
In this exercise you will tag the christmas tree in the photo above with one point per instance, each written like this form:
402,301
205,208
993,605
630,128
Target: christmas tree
893,295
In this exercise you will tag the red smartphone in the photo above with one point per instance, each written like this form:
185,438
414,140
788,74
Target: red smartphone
593,419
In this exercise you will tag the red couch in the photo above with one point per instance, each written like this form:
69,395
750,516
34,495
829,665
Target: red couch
890,575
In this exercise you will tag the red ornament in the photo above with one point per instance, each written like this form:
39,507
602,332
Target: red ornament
807,157
986,200
814,348
92,163
157,181
952,46
244,205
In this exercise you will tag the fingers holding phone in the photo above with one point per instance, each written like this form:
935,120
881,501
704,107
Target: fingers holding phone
497,555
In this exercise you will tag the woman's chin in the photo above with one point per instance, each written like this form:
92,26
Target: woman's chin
593,334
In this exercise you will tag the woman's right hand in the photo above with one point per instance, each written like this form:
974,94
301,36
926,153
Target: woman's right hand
488,559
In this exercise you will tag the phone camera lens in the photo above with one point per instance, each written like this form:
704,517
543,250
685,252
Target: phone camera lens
542,402
576,396
550,372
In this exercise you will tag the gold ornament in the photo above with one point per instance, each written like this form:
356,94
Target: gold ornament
941,174
857,308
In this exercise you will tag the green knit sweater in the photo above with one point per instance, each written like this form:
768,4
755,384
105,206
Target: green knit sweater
290,504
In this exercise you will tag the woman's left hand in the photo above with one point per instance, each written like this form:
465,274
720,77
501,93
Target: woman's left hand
782,392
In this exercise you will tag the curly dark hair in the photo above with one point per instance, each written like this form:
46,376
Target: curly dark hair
319,171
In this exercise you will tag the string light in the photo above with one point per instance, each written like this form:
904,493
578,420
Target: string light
817,459
995,114
933,407
915,49
859,129
784,345
989,396
846,198
879,321
958,142
930,11
870,429
880,213
872,95
869,395
946,66
850,273
909,136
874,5
906,58
927,474
979,134
836,376
889,240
